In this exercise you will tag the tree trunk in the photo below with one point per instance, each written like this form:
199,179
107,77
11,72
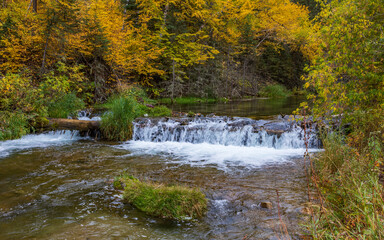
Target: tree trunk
45,53
34,5
228,72
173,78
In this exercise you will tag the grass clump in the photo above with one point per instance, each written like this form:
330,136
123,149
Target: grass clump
65,106
116,123
350,190
274,91
123,108
13,125
159,111
169,202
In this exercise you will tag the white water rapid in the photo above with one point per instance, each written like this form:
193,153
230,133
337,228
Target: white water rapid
53,138
220,141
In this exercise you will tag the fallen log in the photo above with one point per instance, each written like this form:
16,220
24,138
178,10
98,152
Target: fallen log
85,128
72,124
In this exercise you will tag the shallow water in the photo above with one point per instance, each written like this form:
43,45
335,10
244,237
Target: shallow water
64,191
59,185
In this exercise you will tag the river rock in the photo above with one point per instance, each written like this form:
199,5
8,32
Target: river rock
266,204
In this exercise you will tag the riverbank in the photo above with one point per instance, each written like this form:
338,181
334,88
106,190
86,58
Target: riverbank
348,177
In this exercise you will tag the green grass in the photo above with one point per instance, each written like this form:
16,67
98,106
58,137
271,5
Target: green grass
191,100
116,123
65,106
122,109
169,202
159,111
274,91
13,125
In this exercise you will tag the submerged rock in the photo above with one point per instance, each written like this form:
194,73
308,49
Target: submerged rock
267,205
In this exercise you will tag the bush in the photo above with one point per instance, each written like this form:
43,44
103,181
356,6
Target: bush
12,125
65,106
17,93
65,78
363,124
274,91
169,202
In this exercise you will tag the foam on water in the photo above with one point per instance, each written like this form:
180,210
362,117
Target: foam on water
53,138
87,116
90,119
212,154
224,131
220,141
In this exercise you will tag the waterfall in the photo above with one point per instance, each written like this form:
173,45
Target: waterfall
225,131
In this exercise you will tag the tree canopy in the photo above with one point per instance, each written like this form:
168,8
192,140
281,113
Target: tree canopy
146,41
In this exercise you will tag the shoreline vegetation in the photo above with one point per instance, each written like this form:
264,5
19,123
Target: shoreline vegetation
120,109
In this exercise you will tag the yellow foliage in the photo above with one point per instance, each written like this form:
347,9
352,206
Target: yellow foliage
187,31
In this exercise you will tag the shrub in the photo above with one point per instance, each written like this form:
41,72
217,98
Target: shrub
274,91
17,93
169,202
65,78
296,91
12,125
65,106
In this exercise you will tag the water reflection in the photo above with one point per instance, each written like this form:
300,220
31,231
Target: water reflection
261,108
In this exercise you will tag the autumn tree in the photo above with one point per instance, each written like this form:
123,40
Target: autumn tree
347,71
158,43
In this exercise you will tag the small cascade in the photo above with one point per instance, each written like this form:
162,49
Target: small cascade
87,116
224,131
53,138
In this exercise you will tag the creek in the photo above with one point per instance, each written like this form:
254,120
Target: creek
58,185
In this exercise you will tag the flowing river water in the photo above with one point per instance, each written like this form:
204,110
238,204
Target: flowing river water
58,185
